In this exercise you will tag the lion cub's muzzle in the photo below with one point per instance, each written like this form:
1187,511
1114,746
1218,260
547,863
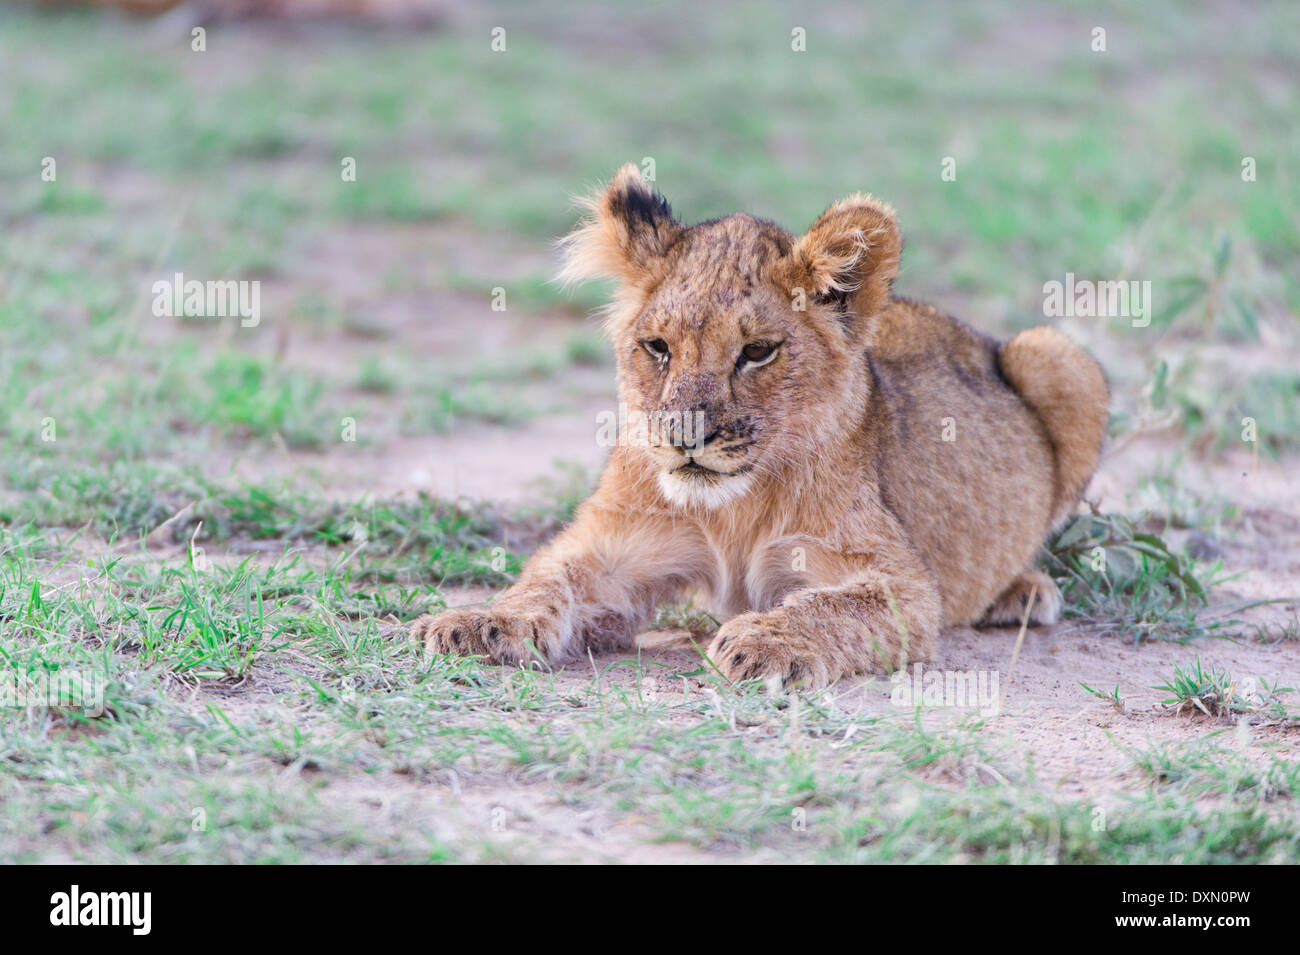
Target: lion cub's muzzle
703,451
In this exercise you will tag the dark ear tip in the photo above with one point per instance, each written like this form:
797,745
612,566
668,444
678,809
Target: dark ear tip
632,198
642,204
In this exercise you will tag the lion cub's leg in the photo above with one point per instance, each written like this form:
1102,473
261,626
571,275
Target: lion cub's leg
817,636
1009,608
592,587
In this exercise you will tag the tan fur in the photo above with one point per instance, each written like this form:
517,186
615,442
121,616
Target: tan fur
1056,378
1009,609
880,473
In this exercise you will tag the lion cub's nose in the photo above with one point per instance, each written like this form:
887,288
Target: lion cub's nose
690,442
690,430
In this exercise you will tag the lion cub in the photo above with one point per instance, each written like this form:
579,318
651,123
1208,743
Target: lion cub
843,472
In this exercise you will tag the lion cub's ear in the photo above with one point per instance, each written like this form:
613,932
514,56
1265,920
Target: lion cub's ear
627,231
848,258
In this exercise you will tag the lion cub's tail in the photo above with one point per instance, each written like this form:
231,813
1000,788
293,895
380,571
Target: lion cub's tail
1066,388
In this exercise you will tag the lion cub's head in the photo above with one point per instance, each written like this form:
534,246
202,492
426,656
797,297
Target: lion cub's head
739,345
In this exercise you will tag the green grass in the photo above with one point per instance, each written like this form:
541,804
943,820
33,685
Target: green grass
535,292
738,773
1210,767
1213,691
247,399
1113,697
351,704
1113,572
1217,410
266,789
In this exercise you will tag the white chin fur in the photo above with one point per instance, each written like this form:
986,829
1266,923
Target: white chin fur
709,494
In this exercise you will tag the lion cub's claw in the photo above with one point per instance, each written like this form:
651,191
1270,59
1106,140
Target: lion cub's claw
762,646
483,631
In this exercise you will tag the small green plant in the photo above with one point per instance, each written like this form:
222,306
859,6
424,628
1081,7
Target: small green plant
1111,571
1113,697
1213,691
1214,299
1208,689
1279,631
1165,503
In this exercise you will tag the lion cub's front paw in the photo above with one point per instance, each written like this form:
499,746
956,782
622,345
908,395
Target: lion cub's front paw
767,646
492,632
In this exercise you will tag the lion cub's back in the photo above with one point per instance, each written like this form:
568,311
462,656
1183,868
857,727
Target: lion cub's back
964,463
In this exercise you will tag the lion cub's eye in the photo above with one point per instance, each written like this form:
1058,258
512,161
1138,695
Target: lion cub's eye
757,353
657,347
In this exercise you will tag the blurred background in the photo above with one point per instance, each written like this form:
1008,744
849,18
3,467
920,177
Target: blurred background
214,138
